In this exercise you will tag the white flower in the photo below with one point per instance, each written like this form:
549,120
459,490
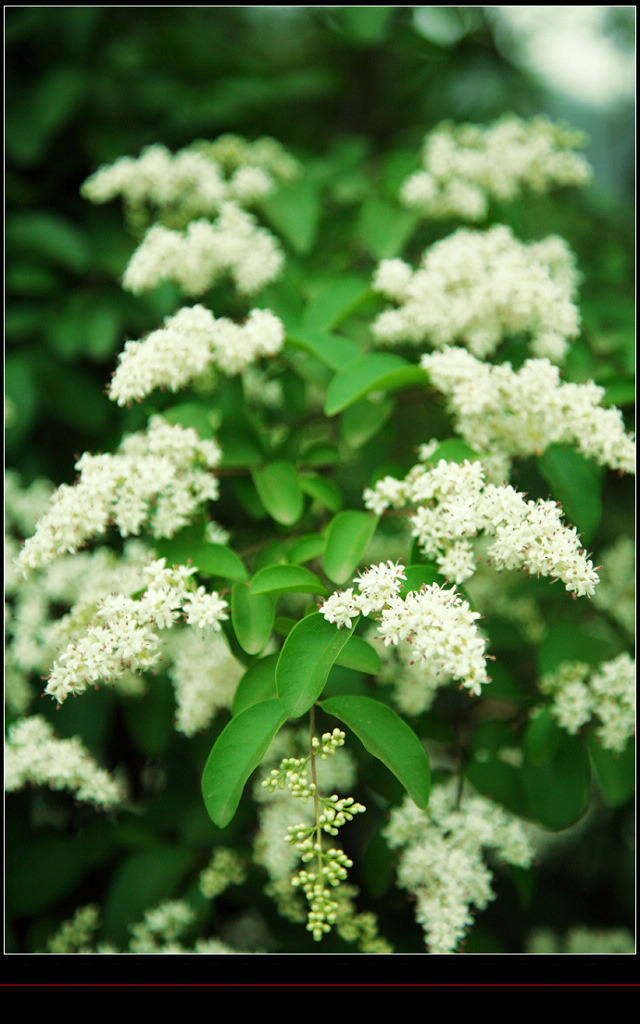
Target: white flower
204,253
191,342
35,756
161,475
127,634
341,608
522,412
437,622
466,166
441,859
475,288
606,694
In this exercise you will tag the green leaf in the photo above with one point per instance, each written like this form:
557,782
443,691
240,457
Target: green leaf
499,781
193,414
279,491
577,484
384,228
453,450
388,737
305,548
360,656
294,212
541,737
334,302
252,616
616,772
178,550
570,641
347,538
375,371
239,749
324,491
257,684
363,420
558,789
329,349
281,579
49,237
306,657
417,575
219,560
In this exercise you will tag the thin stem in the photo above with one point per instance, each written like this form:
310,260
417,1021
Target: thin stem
314,779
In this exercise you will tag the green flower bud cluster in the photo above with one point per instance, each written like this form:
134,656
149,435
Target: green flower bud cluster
315,885
331,812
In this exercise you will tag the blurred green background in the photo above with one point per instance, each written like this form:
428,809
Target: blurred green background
351,91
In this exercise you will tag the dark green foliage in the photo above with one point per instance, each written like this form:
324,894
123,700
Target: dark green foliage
351,91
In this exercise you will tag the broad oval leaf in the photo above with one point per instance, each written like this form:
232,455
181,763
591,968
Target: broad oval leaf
388,737
347,538
257,684
281,579
336,300
616,771
359,655
375,371
279,491
306,548
308,653
252,616
219,560
453,449
417,575
363,420
576,483
330,349
239,749
324,491
558,790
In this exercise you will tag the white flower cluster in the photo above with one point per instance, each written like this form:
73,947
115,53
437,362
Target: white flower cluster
204,253
204,674
616,594
582,941
579,694
197,180
475,288
125,633
34,755
442,862
466,166
522,412
455,504
161,925
161,931
414,683
77,934
436,621
225,868
191,342
160,475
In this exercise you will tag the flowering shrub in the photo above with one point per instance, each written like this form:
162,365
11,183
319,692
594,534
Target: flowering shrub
329,624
